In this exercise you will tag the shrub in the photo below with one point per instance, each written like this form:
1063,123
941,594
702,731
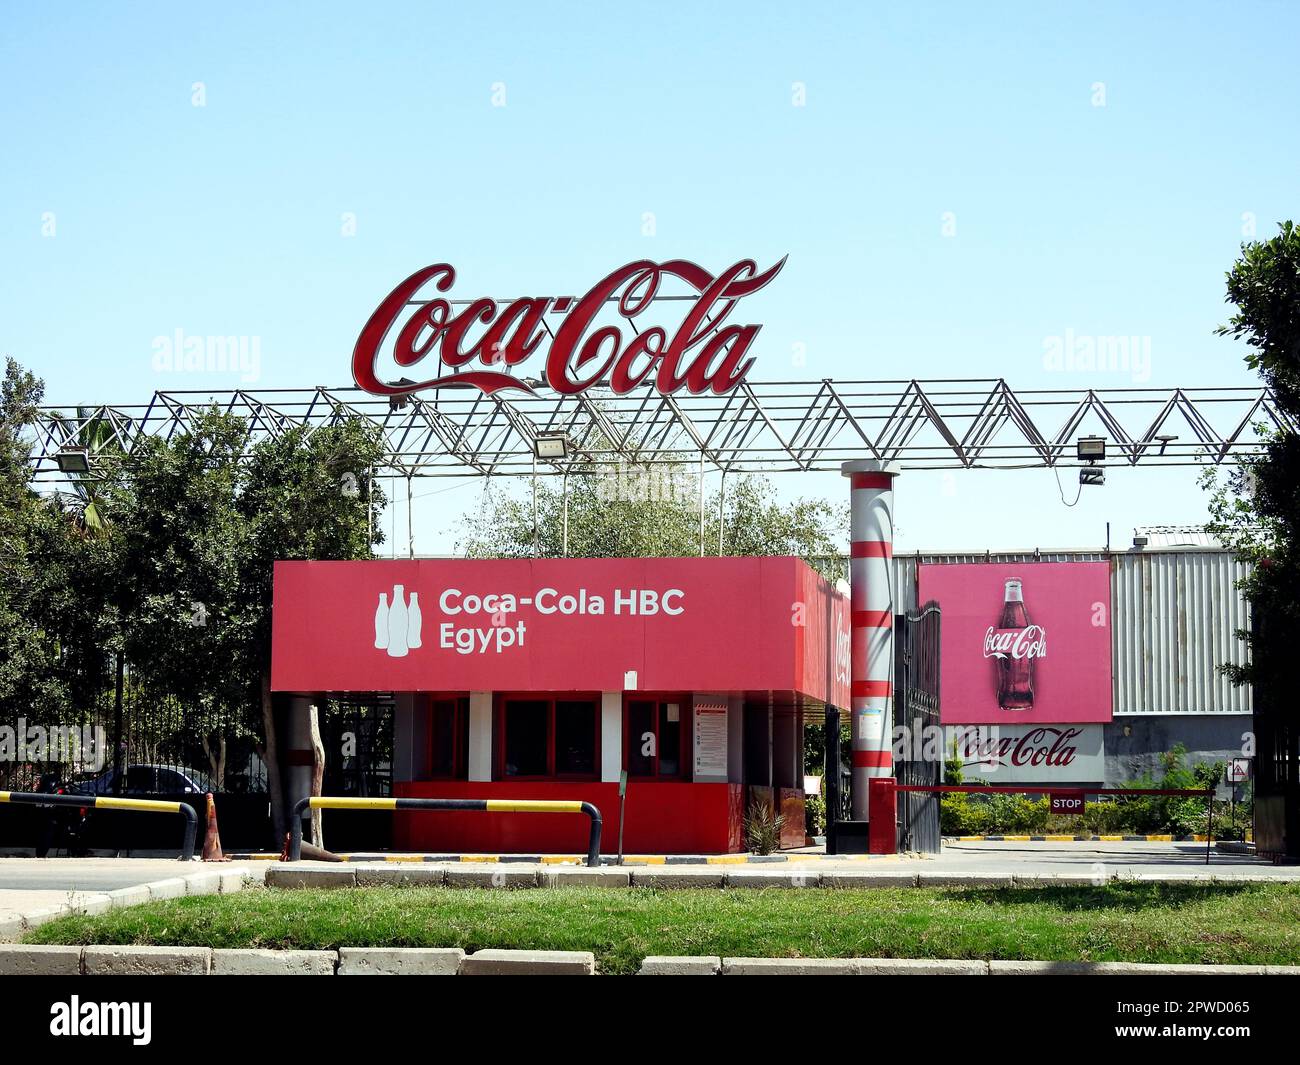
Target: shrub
763,827
814,815
963,814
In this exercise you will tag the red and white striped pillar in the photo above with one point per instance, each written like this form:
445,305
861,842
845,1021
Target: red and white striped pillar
871,553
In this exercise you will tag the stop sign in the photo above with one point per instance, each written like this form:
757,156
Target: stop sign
1067,802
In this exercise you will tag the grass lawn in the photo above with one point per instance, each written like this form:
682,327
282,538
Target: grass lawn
1121,921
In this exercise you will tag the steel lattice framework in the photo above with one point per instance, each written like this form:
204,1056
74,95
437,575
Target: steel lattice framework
758,427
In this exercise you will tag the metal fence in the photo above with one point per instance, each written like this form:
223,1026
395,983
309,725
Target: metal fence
149,743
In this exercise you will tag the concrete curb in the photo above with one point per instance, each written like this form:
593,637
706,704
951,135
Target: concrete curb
492,876
401,876
34,960
661,877
853,879
668,965
489,875
296,876
38,960
920,967
528,962
146,961
199,882
400,961
566,877
1062,880
274,962
967,880
788,967
773,878
1121,968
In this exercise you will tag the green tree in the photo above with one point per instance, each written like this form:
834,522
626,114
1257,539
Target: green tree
203,518
1255,510
176,509
55,630
653,512
29,682
167,556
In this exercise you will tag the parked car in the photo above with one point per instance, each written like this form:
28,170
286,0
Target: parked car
142,780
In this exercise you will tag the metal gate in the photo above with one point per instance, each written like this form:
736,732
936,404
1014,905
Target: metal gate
918,740
357,731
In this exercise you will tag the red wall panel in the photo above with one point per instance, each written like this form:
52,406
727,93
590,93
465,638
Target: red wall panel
661,818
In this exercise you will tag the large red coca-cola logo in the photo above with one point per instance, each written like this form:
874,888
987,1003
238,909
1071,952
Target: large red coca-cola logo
1037,747
1029,642
704,353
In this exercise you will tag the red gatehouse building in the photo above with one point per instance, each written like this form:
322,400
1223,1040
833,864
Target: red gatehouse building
550,679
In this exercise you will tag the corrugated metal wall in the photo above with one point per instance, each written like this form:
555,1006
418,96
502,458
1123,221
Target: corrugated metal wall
1173,617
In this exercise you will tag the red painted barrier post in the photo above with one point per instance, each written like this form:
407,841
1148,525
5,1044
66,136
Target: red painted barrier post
871,567
882,831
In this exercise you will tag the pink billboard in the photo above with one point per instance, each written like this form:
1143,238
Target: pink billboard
1022,643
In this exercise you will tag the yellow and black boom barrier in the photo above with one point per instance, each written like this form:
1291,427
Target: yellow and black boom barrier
491,806
113,802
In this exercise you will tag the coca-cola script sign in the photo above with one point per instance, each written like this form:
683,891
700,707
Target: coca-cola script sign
1029,642
444,341
1026,643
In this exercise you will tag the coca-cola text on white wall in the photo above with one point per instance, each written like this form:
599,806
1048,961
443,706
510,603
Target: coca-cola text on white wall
1038,754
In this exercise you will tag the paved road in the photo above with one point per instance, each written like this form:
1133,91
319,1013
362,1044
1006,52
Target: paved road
85,874
1122,859
32,883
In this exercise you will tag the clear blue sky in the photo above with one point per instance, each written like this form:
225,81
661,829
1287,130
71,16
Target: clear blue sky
226,219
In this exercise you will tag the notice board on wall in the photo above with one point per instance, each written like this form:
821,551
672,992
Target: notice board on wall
710,739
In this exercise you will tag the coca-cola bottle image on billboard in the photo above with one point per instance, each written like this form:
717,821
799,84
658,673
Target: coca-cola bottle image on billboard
1015,643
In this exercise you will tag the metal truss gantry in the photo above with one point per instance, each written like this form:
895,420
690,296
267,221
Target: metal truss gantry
760,427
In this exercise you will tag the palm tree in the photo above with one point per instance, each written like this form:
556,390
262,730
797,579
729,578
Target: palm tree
101,438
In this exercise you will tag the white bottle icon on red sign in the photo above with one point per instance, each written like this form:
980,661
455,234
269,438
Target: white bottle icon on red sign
381,622
397,626
413,622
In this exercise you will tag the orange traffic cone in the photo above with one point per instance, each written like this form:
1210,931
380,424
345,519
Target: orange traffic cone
212,840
